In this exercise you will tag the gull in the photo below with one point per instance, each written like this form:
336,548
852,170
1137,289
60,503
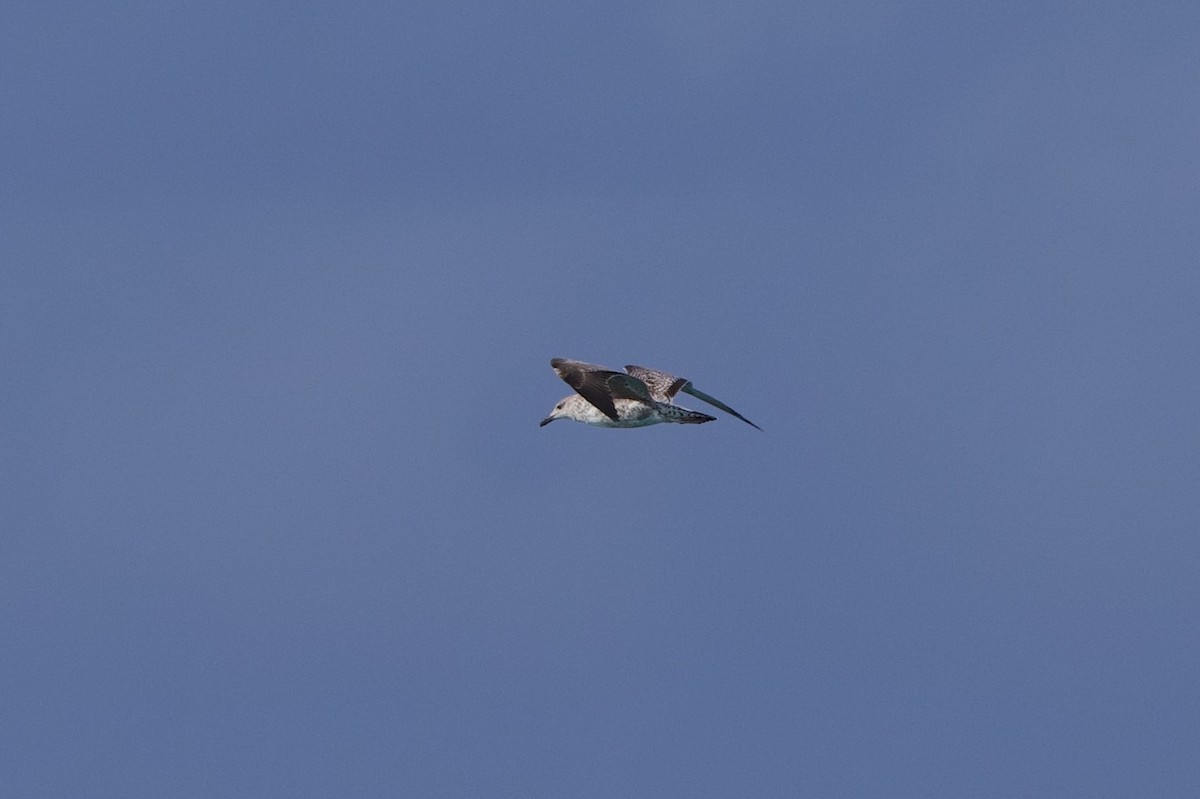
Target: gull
636,397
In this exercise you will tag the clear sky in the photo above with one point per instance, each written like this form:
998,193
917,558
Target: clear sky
280,286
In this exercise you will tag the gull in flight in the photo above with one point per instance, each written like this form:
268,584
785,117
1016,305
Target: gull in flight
634,398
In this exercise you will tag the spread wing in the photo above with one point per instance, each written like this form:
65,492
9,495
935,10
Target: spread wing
599,385
688,388
663,387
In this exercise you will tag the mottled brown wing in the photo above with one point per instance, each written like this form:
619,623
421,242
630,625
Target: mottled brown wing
590,381
625,386
663,387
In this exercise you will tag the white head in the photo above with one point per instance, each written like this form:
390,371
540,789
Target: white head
575,408
562,410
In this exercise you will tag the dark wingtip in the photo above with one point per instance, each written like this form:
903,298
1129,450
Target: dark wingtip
747,421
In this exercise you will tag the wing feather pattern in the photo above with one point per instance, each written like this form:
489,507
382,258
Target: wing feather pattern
664,387
600,386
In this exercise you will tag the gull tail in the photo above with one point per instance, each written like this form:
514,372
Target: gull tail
673,413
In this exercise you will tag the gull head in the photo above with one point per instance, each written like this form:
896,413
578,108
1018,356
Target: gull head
576,408
560,412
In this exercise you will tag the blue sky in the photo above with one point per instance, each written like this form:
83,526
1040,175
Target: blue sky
282,286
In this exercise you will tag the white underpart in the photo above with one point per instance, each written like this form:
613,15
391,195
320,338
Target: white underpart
631,413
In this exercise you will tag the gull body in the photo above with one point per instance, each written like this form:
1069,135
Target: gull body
630,413
637,397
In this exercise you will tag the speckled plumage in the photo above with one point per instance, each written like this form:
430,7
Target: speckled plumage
635,398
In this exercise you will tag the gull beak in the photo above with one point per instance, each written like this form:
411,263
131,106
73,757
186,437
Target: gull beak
547,421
